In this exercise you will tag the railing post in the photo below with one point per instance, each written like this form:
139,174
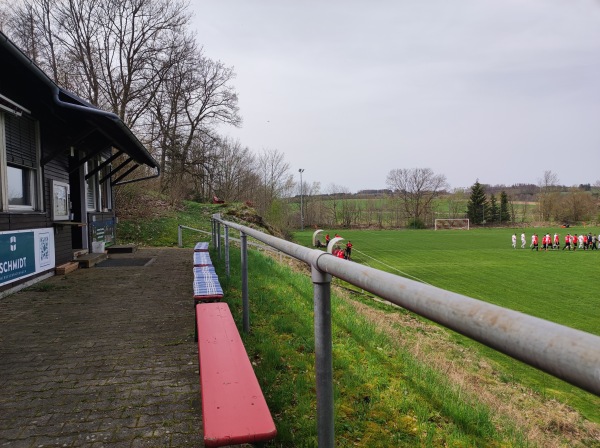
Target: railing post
179,236
213,229
245,305
323,357
227,250
218,239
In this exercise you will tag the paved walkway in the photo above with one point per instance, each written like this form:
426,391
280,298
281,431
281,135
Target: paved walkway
102,357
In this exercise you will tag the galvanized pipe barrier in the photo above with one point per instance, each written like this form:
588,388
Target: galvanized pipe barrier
245,303
215,235
323,357
218,240
180,233
569,354
227,251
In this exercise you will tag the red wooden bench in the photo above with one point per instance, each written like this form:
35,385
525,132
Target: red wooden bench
234,409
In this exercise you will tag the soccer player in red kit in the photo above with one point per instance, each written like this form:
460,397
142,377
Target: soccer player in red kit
534,242
567,242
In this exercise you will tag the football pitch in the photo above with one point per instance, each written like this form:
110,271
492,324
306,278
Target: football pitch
557,285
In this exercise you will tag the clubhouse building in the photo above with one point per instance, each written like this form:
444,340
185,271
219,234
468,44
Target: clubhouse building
60,158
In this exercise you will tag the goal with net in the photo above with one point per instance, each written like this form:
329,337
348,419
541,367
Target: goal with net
452,224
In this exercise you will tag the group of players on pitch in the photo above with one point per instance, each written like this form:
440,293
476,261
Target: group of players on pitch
583,241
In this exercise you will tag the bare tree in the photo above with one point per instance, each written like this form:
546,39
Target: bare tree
209,100
4,16
350,213
276,181
195,95
32,26
456,203
547,186
312,203
136,59
234,178
107,51
416,188
113,53
335,193
575,206
548,181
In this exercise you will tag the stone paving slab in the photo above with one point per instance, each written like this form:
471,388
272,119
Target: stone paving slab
102,357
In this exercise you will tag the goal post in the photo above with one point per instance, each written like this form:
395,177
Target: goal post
452,224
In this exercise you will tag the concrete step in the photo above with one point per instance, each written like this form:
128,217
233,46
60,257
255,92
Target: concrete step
89,260
66,268
122,249
79,253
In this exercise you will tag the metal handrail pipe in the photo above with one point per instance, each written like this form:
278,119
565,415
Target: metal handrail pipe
197,230
292,249
569,354
237,240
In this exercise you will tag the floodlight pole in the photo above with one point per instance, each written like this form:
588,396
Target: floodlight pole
301,170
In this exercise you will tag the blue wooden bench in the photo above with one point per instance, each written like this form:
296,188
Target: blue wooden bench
234,409
201,246
206,284
202,259
206,287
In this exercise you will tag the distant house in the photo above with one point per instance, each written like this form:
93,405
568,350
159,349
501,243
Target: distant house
56,170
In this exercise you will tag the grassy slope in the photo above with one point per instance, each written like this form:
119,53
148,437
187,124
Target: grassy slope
384,397
554,285
162,231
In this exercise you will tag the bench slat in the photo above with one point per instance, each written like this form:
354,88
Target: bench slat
234,409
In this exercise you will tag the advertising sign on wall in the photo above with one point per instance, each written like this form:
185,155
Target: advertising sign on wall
102,229
24,253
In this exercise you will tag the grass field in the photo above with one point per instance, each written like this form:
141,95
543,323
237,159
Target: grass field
559,286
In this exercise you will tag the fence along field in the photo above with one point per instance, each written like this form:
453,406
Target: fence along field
558,286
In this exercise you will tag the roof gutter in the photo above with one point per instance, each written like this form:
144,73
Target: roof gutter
113,117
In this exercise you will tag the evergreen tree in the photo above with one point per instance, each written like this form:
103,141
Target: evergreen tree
504,210
477,204
494,215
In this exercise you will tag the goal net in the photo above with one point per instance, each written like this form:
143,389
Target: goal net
452,224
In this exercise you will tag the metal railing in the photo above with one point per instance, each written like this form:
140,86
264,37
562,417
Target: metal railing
566,353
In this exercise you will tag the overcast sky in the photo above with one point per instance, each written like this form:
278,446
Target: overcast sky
495,90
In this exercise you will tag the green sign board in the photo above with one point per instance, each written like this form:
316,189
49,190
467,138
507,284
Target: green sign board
17,255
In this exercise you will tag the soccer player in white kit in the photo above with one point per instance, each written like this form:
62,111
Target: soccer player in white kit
523,241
